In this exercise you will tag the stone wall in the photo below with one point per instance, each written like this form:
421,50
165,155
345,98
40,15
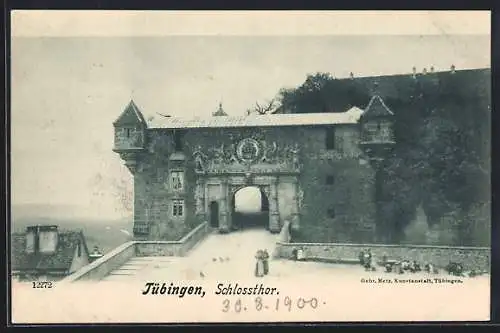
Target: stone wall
477,258
343,211
340,212
171,248
154,194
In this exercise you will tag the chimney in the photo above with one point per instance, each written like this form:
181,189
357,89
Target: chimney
414,72
452,69
424,71
48,236
31,239
432,69
351,75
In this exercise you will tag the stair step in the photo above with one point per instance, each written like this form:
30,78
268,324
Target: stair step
132,267
147,260
120,272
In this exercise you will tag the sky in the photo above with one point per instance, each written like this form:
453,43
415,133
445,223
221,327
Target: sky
67,91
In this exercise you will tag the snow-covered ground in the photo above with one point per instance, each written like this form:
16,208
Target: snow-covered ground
307,291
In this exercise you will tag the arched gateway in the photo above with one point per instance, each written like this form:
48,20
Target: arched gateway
310,167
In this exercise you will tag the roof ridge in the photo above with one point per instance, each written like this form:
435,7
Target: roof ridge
418,74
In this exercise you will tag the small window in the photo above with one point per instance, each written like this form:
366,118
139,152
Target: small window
330,138
127,132
331,213
177,180
178,208
330,180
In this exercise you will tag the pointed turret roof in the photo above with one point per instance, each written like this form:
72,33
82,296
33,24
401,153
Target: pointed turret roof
377,108
131,116
220,111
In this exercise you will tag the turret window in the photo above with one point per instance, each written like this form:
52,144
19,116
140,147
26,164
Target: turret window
178,208
177,180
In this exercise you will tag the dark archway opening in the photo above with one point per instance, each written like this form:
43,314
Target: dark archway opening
250,208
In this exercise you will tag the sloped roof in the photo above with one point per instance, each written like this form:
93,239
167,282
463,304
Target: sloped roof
349,117
377,108
60,260
130,116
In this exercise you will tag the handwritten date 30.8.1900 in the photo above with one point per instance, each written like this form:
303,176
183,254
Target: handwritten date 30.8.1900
278,304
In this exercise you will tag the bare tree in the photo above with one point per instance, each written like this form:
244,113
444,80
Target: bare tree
263,109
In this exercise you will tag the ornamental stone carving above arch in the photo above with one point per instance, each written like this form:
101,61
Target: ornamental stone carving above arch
248,150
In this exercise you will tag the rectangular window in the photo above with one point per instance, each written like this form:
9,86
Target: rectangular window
330,180
127,132
178,208
331,213
177,180
330,138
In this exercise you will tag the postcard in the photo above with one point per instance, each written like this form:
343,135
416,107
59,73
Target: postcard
249,167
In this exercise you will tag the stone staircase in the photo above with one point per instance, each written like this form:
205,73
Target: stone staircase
143,267
227,255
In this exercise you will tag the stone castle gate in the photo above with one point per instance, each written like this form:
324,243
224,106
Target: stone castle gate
249,165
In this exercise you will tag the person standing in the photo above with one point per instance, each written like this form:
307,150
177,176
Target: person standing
259,265
265,262
368,259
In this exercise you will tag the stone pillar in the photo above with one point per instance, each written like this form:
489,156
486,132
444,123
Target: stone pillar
223,209
295,208
274,214
199,195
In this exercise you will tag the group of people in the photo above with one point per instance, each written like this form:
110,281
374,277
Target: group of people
411,266
262,264
365,259
399,267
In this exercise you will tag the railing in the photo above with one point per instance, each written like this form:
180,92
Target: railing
101,267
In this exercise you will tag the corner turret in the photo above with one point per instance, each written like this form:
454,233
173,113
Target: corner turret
376,129
130,135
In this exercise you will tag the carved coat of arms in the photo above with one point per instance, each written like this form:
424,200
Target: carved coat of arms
248,150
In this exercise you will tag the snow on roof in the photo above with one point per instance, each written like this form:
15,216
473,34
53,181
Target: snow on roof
296,119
